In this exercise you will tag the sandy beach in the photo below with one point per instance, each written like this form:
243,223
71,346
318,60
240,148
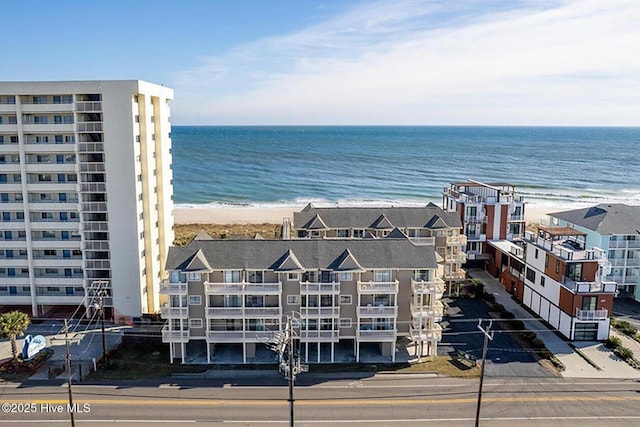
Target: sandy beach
217,215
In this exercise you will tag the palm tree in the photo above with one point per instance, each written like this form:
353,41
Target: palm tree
13,324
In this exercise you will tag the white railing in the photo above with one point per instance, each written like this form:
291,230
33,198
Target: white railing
316,287
173,288
319,335
621,244
372,287
224,312
435,311
225,336
427,287
434,334
87,106
376,335
174,312
274,288
377,311
591,314
263,311
320,312
423,241
459,240
89,127
174,336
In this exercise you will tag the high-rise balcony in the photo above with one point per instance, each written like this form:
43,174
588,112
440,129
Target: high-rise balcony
224,336
260,312
460,240
457,258
372,287
224,312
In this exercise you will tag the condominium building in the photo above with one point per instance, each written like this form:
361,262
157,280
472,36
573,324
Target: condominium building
428,225
85,185
616,229
554,274
227,298
488,212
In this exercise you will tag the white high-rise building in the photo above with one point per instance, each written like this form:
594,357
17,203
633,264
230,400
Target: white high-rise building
85,195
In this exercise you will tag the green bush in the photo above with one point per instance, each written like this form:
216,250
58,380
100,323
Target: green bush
623,353
612,342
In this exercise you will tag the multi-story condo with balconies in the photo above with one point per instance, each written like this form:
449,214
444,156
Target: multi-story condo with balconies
488,212
428,225
85,185
227,298
616,229
554,274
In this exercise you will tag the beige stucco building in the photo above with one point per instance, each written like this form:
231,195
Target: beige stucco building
85,182
227,298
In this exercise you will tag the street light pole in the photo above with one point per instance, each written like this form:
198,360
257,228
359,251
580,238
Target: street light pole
68,365
104,341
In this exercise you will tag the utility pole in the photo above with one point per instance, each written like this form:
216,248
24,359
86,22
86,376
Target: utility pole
104,341
488,335
68,360
291,370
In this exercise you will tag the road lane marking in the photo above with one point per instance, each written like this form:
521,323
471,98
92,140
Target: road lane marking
326,402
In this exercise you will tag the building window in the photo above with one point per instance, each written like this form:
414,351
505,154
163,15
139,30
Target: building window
195,300
536,254
546,260
358,234
345,323
343,232
558,266
195,323
345,300
346,276
382,276
541,280
194,276
232,276
293,299
293,277
531,275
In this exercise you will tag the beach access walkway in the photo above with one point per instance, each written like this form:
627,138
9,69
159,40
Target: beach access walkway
607,365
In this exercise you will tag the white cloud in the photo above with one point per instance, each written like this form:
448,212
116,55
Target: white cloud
422,62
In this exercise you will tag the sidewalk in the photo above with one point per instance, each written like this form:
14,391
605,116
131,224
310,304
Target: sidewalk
576,366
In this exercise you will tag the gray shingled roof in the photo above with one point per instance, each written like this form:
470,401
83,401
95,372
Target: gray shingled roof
412,217
311,254
606,219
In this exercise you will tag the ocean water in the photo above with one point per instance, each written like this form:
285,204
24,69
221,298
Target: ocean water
407,165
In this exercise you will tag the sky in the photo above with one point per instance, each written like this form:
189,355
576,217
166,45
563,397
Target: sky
345,62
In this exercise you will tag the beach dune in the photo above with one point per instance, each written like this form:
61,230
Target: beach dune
275,215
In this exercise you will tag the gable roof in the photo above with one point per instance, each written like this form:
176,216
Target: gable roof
287,262
203,235
316,223
197,263
363,218
304,254
396,233
436,222
346,262
605,218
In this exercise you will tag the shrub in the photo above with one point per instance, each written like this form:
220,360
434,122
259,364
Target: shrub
507,315
517,325
624,353
527,336
499,308
489,297
537,343
612,342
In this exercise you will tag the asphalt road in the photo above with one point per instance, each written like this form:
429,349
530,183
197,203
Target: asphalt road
383,400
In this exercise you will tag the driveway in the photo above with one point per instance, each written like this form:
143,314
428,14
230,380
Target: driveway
505,356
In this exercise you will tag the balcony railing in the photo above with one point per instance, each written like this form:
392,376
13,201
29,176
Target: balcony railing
435,311
460,240
364,335
457,258
372,287
88,106
243,287
89,127
621,244
434,334
318,287
423,241
262,312
225,312
377,311
477,237
173,288
225,336
589,315
428,287
174,336
174,312
320,312
319,336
